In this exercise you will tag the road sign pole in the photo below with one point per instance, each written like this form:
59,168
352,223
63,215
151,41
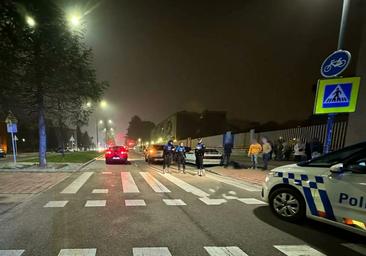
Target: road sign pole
328,139
13,144
342,30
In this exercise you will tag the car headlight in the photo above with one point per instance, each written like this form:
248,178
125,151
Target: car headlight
268,176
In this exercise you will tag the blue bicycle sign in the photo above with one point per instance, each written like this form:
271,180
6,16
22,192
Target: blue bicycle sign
335,63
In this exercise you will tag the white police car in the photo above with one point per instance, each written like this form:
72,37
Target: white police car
330,188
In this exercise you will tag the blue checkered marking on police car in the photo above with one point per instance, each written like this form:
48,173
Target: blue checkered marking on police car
307,185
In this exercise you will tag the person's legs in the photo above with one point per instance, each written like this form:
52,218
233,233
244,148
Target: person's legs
184,164
265,161
178,162
255,161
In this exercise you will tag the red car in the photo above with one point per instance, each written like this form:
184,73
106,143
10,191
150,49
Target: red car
116,154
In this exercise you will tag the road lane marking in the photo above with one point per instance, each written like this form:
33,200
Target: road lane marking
128,184
135,202
95,203
225,251
251,201
185,186
51,204
100,191
359,248
151,251
156,185
209,201
78,252
174,202
235,183
107,173
74,187
298,250
11,252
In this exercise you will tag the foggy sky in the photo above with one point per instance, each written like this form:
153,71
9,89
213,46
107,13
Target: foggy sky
256,59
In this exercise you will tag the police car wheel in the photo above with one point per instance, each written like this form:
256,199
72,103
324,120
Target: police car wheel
288,204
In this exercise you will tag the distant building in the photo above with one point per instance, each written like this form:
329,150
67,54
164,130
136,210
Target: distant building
184,124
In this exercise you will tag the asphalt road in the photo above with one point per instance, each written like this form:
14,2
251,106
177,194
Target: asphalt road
131,215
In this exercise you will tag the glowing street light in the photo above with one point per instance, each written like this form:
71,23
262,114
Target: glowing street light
100,121
88,104
75,20
30,21
103,104
110,121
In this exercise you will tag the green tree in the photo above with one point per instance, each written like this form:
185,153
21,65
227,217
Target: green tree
54,77
139,129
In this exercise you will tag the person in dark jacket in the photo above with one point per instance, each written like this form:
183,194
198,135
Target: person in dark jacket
199,153
227,153
181,156
168,156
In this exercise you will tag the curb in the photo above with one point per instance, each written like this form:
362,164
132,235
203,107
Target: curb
87,163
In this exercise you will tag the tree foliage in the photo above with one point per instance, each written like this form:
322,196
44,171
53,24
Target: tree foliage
139,129
46,69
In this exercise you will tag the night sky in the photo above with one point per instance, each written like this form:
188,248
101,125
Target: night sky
256,59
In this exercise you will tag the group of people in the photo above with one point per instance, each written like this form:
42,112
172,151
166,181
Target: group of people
179,152
282,150
255,149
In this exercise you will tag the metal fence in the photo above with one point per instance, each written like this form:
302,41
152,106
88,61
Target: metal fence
307,133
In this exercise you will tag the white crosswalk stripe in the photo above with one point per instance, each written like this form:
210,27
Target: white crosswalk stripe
74,187
151,251
156,185
225,251
95,203
106,173
174,202
100,191
56,204
128,184
135,202
11,252
251,201
185,186
298,250
210,201
78,252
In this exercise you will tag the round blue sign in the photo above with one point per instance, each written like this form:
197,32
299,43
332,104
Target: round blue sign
335,63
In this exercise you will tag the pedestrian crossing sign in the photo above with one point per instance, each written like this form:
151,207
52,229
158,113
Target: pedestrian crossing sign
337,95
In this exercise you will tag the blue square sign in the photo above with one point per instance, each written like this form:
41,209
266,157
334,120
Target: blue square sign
337,95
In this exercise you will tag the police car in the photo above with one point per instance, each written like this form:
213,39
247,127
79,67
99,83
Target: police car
330,188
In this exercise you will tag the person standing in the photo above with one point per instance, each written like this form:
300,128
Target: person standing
181,156
254,150
199,153
167,156
267,149
300,151
227,153
316,148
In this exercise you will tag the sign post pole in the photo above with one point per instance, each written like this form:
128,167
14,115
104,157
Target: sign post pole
13,145
331,117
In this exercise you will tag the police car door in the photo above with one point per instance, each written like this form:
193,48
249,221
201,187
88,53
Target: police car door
347,192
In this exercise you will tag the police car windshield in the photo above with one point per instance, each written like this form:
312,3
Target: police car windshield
336,157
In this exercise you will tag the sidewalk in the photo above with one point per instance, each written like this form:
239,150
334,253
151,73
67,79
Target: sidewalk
252,176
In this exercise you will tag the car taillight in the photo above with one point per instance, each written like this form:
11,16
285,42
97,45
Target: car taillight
151,151
108,152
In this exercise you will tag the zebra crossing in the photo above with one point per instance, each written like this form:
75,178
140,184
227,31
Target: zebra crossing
129,186
289,250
